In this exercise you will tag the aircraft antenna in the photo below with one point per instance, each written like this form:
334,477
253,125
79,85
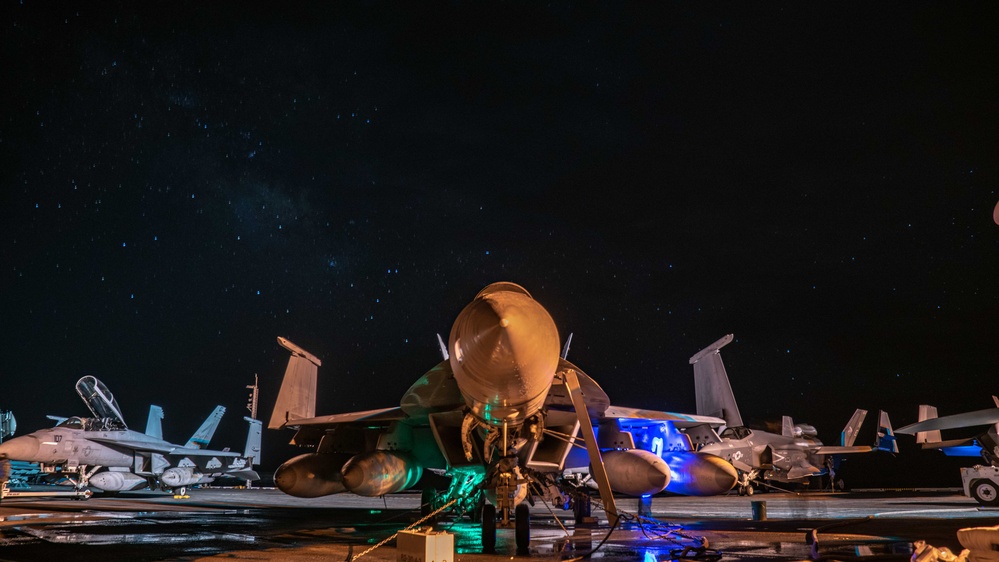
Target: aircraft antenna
254,395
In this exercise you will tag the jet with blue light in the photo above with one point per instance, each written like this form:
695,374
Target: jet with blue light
501,416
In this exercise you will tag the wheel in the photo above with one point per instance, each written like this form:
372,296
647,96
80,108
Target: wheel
749,490
522,526
985,492
489,528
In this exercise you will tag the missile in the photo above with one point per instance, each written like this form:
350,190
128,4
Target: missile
180,476
503,350
699,474
635,472
377,473
311,475
117,481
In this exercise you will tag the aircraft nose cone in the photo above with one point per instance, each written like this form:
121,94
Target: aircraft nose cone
504,352
23,448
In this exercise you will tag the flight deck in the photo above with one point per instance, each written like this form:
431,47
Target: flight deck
265,524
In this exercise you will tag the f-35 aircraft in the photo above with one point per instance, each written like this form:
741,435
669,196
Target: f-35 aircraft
82,446
499,416
793,455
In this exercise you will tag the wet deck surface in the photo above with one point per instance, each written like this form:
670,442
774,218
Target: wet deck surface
260,524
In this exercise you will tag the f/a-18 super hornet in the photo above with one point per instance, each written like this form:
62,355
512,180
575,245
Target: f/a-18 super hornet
793,455
499,416
82,446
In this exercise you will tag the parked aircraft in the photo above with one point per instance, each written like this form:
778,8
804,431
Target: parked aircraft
499,415
984,444
82,446
793,455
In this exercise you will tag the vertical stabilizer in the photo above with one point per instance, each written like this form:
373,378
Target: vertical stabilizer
885,440
849,434
928,413
204,434
787,426
711,386
154,425
297,397
252,450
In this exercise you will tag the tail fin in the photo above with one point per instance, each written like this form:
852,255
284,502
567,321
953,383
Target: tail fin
849,434
711,385
885,440
154,425
297,397
204,434
252,450
787,426
928,413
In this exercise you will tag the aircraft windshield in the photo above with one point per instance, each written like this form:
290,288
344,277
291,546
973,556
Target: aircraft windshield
736,433
93,424
71,423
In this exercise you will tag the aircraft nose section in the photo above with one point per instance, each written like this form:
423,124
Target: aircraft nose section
23,448
504,352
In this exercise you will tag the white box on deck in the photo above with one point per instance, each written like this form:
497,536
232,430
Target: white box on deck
424,546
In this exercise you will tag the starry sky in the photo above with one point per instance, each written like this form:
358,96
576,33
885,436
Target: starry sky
180,183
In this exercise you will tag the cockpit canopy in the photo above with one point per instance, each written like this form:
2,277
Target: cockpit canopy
739,432
92,424
99,399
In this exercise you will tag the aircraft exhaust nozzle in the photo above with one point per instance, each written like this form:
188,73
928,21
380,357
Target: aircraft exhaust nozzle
377,473
504,350
311,475
117,481
699,474
24,448
636,472
180,476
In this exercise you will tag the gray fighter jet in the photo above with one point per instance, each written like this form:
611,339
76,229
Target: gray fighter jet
793,455
498,416
78,447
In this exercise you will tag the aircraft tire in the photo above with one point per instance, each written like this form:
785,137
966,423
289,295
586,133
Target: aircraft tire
489,528
985,492
749,490
522,527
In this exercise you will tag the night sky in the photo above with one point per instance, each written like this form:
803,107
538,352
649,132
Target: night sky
181,183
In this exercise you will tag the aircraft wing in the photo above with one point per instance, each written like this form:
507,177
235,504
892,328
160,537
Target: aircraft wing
956,421
144,447
311,430
679,420
379,415
840,450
